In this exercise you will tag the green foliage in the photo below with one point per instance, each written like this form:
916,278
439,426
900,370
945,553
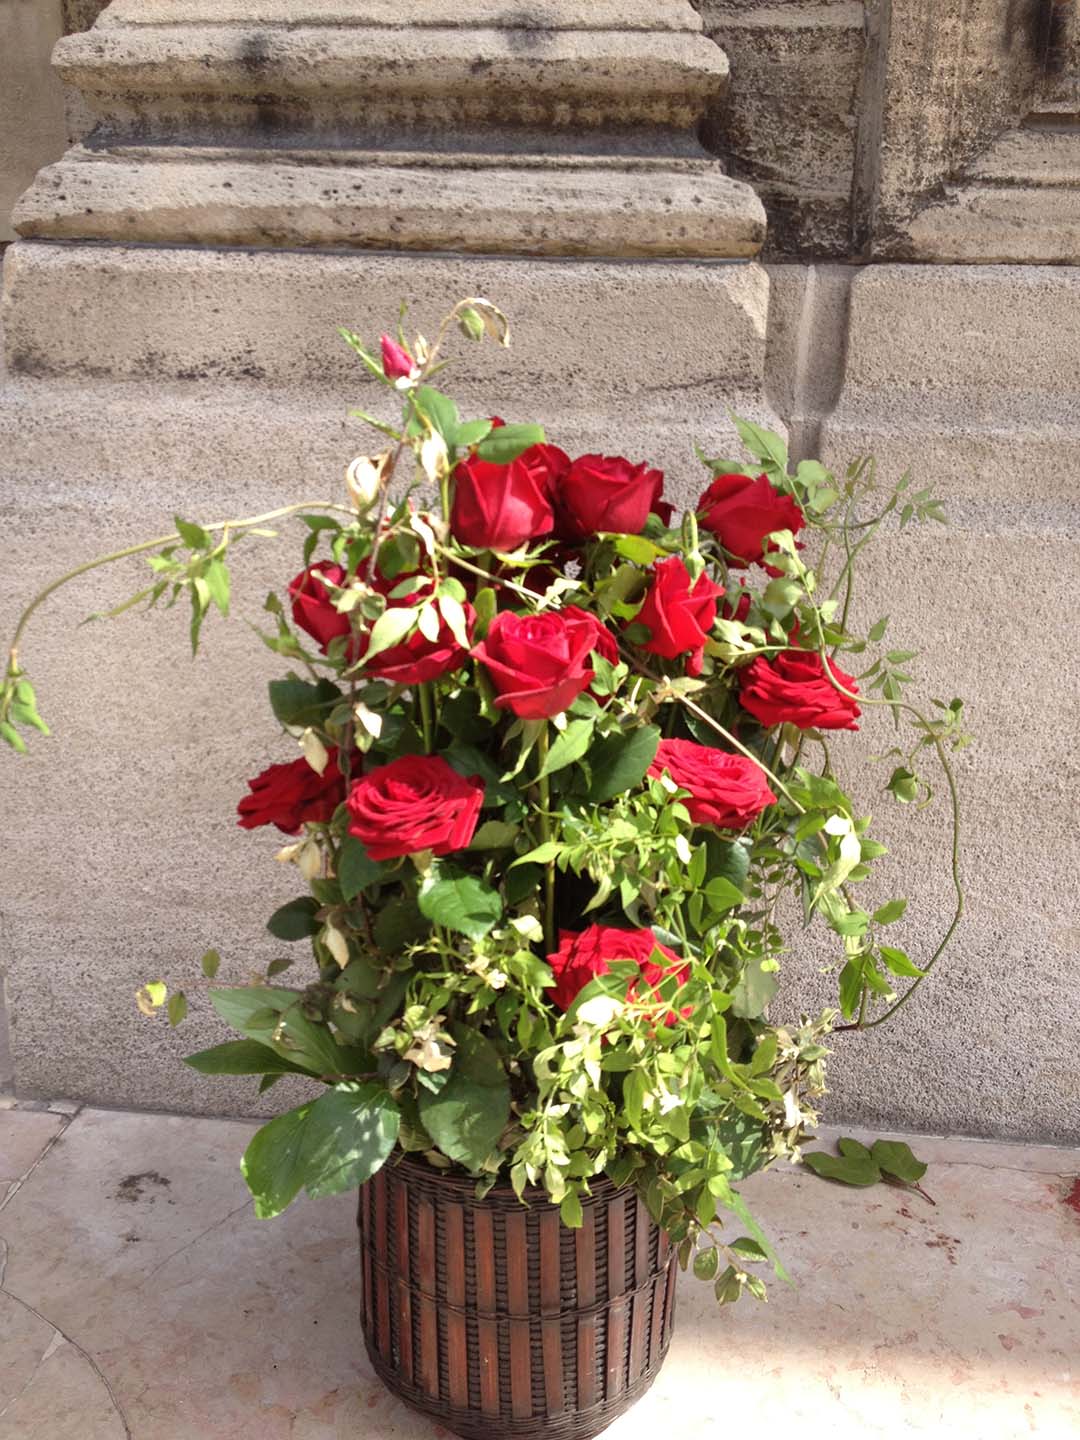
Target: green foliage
428,1006
856,1165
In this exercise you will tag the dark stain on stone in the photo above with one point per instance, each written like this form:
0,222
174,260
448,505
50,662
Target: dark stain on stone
1072,1199
136,1187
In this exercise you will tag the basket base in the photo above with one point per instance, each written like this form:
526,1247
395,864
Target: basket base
472,1425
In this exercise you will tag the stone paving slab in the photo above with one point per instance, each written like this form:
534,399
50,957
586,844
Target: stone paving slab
140,1299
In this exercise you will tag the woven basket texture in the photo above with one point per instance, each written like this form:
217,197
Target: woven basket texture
493,1318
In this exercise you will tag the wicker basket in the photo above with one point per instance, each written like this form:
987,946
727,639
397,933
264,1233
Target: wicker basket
494,1319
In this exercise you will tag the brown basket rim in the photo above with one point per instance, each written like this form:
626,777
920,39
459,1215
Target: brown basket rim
413,1164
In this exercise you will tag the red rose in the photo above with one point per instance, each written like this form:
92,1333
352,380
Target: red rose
739,611
415,803
499,507
606,493
741,512
539,664
793,689
678,615
292,795
725,790
313,603
397,363
584,955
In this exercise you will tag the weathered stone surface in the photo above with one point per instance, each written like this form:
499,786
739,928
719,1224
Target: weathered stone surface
32,130
283,77
151,315
537,207
966,376
409,14
950,79
788,124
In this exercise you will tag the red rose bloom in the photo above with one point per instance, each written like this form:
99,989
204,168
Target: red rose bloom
607,493
740,512
415,803
539,664
584,955
499,507
678,615
313,603
725,790
793,689
292,795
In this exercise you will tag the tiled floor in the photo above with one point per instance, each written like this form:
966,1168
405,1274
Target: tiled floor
139,1298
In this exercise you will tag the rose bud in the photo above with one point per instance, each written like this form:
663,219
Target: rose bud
398,364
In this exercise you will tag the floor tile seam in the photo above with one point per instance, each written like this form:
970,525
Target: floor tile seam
65,1122
69,1340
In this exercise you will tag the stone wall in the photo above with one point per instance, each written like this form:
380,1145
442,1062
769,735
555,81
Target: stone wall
170,309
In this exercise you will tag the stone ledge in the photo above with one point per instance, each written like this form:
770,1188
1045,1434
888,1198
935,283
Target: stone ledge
486,204
378,76
413,14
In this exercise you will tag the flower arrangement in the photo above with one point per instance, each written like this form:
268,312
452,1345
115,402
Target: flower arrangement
559,759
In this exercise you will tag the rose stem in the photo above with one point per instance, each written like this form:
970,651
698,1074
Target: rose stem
544,782
426,716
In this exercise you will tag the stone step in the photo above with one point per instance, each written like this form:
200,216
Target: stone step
374,200
637,333
412,14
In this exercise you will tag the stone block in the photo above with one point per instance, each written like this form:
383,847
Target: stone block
964,376
788,123
411,14
466,204
32,129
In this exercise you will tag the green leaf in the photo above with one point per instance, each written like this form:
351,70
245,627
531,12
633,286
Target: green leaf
748,1249
216,576
178,1008
570,1210
637,549
471,433
896,1158
440,410
755,989
706,1263
889,912
620,762
723,894
356,869
335,1143
399,923
851,985
852,1149
507,442
459,901
763,444
392,627
242,1057
570,745
299,704
467,1116
850,1170
295,921
211,964
899,962
253,1007
729,859
495,835
193,536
